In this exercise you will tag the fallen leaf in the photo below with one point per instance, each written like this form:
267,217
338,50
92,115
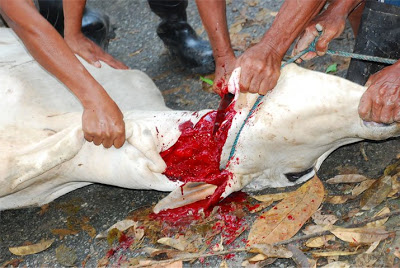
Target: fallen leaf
360,235
334,253
237,26
346,178
121,226
260,207
375,194
372,247
320,241
257,258
43,209
89,230
135,53
12,263
63,232
331,68
323,219
172,242
381,222
271,251
395,186
223,264
31,249
272,197
312,229
360,188
337,264
336,199
66,256
285,219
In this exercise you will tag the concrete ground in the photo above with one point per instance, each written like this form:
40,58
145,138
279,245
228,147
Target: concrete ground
100,206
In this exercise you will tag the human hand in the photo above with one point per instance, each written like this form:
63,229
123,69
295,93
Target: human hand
330,23
260,68
91,52
381,102
103,123
223,69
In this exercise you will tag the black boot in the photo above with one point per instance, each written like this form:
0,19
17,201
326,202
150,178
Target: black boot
180,38
378,35
95,24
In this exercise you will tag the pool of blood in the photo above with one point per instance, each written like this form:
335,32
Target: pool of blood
195,157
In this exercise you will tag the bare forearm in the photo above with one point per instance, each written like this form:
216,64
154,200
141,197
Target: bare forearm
213,15
73,13
50,50
293,16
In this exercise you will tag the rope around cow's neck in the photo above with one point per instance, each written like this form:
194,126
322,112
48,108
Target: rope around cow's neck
311,48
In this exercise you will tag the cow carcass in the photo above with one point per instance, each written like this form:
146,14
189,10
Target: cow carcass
43,154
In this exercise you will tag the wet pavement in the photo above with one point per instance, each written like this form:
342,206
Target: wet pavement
99,206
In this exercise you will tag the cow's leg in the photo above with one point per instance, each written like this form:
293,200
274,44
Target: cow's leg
19,171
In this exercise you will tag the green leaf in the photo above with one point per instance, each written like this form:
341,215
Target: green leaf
331,68
208,81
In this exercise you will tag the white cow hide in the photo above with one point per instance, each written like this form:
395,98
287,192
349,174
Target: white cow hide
43,154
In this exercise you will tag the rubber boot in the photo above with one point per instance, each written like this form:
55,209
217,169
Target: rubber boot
180,38
378,35
95,24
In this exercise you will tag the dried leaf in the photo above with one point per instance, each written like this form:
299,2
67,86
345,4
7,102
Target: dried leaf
360,235
381,222
326,219
257,258
31,249
336,199
121,226
89,230
372,247
223,264
237,26
286,218
272,197
320,241
66,256
378,192
175,243
337,264
346,178
12,263
63,232
359,189
260,207
312,228
135,53
395,186
271,251
334,253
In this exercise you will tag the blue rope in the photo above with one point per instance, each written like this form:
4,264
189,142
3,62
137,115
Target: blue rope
311,48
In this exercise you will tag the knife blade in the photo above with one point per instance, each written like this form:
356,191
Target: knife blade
225,101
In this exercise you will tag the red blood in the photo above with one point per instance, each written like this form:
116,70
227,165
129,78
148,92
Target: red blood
195,157
290,217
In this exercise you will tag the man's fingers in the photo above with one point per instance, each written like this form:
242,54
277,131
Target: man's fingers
107,58
255,84
97,140
244,82
364,108
386,115
119,141
88,137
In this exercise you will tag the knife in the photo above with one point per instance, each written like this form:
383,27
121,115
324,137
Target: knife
223,105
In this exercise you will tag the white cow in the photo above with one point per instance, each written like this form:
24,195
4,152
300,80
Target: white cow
43,154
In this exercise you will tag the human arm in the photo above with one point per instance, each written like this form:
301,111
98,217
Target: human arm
261,63
213,15
102,121
331,22
80,44
381,101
